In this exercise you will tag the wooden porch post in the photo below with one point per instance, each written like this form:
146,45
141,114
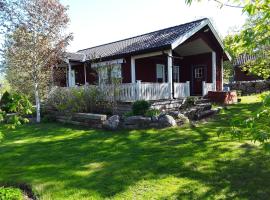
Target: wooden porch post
66,76
169,74
214,70
69,74
85,79
133,70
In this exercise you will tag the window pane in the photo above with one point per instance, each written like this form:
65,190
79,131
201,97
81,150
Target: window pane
159,69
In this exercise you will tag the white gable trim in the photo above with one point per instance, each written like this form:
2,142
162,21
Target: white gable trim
204,23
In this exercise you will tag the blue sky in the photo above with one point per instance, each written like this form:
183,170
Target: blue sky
95,22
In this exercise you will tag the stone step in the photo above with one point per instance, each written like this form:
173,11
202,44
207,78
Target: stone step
205,106
201,101
204,114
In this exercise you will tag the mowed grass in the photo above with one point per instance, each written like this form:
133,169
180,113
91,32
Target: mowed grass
69,162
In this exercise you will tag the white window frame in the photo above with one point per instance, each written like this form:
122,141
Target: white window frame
176,74
198,72
72,78
160,74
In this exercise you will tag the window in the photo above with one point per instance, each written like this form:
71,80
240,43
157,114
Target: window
176,74
198,72
116,71
160,71
106,75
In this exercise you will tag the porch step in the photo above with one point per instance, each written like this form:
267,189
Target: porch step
202,101
168,105
205,106
204,114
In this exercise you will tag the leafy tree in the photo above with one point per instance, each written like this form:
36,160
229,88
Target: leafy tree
35,38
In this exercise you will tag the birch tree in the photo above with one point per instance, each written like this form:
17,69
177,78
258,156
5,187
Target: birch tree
35,39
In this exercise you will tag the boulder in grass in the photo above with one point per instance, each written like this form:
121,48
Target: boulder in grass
112,123
182,119
167,121
139,120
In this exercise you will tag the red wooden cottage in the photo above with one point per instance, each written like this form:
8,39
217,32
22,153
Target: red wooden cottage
180,61
239,73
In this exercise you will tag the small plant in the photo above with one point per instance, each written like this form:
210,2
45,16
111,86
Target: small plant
140,107
190,101
152,113
10,194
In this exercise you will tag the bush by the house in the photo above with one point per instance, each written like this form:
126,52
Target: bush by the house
140,107
10,194
78,99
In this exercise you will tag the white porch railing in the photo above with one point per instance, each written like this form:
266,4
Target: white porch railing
153,91
206,87
181,89
137,91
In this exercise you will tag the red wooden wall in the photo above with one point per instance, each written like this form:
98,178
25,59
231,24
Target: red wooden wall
240,75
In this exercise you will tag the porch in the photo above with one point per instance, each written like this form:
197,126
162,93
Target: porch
191,69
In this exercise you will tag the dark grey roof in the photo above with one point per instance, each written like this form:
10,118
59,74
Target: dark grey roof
153,40
75,56
242,59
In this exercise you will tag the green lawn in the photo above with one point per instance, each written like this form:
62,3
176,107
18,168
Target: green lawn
69,162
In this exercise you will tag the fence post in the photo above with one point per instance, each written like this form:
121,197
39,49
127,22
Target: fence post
187,89
138,88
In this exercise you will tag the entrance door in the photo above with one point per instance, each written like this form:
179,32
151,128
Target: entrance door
198,76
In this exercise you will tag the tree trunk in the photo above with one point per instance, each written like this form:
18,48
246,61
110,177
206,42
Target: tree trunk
37,103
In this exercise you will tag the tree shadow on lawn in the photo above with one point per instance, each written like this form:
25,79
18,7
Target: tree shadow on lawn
107,163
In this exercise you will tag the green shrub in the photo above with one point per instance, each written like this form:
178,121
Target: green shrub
78,99
18,105
10,194
140,107
152,113
190,101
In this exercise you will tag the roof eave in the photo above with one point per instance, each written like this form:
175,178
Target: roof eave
134,53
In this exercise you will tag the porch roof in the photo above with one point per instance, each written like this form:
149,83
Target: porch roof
161,39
